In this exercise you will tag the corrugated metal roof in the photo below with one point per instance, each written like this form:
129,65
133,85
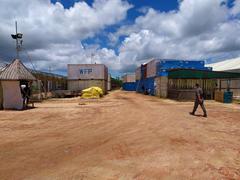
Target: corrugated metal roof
36,72
16,71
230,64
2,66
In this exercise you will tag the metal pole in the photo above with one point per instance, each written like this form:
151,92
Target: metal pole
91,58
17,50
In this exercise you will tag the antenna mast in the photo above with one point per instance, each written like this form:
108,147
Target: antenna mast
19,41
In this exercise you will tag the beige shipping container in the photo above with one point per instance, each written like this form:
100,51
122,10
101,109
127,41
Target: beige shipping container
151,68
161,86
78,85
138,73
129,78
219,96
87,72
109,85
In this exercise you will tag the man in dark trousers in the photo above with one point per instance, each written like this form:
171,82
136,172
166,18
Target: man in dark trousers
199,101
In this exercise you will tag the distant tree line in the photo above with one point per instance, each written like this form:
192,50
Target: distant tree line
116,83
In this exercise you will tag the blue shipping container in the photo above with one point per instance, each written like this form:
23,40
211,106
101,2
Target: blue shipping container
146,86
129,86
139,85
164,66
176,63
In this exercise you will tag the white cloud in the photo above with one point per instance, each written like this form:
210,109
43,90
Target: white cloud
57,56
52,34
53,22
236,8
199,29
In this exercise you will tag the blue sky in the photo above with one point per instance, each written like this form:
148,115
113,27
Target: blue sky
120,33
156,4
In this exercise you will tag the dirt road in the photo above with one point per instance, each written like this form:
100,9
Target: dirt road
122,136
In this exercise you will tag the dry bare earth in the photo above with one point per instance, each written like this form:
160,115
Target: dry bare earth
122,136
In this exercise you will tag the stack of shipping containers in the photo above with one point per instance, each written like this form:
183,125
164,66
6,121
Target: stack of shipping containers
129,82
82,76
152,77
162,80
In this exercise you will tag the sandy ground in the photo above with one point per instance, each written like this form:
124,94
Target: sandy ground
122,136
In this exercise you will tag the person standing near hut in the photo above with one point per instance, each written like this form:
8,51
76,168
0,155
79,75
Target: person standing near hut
23,92
199,100
26,93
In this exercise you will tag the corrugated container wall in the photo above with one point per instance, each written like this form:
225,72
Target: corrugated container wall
151,68
82,76
129,86
138,73
78,85
155,68
87,71
129,78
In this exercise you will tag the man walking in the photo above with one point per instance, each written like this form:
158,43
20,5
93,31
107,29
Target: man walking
199,101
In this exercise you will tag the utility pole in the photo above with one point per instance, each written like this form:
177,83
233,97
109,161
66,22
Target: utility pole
19,41
17,49
92,55
49,69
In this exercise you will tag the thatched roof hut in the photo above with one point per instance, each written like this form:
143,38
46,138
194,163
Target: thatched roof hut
10,78
16,71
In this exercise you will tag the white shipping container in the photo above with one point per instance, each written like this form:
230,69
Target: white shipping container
138,73
87,71
152,68
129,78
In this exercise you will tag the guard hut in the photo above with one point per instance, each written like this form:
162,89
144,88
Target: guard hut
1,93
12,77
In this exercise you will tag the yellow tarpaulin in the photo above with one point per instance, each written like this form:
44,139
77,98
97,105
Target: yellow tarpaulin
92,92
